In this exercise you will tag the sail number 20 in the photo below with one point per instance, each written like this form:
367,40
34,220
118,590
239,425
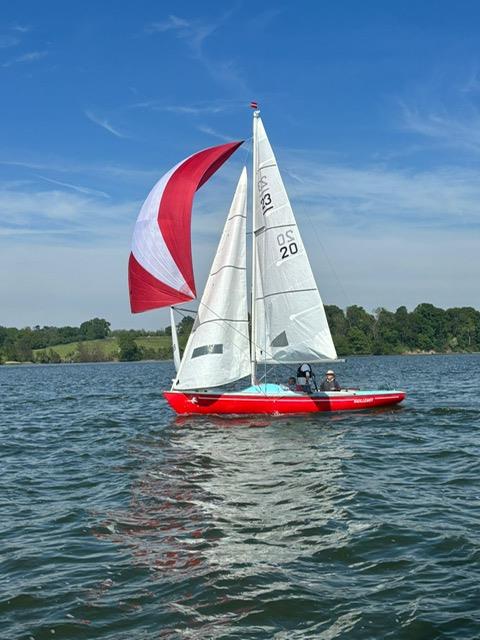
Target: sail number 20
286,242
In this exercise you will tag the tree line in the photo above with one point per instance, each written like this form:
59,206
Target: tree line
425,329
36,344
355,331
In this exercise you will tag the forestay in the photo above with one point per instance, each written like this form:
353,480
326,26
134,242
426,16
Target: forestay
290,321
217,350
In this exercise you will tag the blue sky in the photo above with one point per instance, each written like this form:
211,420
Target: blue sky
372,108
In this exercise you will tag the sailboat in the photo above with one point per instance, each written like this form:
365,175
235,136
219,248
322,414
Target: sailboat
288,322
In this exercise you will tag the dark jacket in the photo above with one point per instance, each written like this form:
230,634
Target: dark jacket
329,385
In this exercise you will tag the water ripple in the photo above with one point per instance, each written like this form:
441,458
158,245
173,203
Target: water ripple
119,520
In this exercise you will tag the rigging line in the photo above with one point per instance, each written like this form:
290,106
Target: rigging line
231,327
330,263
247,149
180,310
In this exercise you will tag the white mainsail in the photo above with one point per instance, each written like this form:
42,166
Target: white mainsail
290,321
217,349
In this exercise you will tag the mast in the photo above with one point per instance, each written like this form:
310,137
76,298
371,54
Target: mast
253,360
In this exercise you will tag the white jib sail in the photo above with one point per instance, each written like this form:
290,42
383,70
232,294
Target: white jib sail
217,351
291,325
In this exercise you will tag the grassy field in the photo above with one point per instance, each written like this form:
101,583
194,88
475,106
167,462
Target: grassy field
109,346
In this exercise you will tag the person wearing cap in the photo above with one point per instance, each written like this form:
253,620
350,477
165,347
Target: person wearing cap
329,383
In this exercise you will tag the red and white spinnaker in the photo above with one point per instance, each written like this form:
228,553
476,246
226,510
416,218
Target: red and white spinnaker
160,270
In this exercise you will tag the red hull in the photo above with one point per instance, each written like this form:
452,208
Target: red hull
236,403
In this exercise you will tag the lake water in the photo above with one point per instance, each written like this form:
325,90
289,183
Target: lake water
120,521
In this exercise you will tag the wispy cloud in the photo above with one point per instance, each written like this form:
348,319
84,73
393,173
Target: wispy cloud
363,197
203,108
212,132
32,56
21,28
445,111
8,41
262,20
171,23
102,170
194,33
104,123
412,221
472,83
461,131
192,110
75,187
368,197
44,211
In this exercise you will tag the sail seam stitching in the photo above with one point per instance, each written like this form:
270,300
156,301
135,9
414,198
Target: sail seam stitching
278,293
218,320
228,266
277,226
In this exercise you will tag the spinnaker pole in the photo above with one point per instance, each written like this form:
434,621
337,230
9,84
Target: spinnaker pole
175,347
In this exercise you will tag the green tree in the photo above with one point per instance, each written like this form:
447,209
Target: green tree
359,318
23,348
386,335
360,332
87,352
462,325
9,350
185,326
128,348
402,322
358,342
95,329
429,324
336,321
3,335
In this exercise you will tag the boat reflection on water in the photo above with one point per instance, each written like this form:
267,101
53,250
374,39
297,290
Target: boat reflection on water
262,421
234,500
224,422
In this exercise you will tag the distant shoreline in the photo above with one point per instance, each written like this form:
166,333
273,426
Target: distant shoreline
14,363
427,330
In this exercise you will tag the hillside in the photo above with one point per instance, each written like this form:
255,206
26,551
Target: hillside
104,350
